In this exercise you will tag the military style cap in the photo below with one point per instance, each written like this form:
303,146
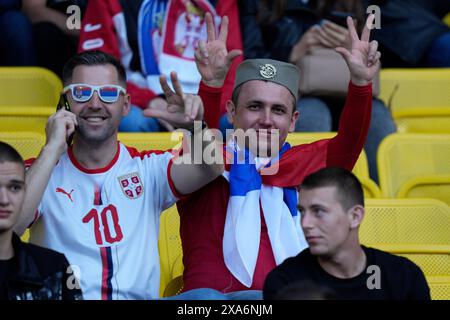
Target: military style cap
282,73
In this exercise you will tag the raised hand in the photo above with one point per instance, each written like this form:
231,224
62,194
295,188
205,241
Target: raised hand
363,59
212,57
182,109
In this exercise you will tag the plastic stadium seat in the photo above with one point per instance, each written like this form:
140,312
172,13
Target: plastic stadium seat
419,98
28,144
447,19
361,169
28,96
415,165
170,251
406,221
25,118
415,228
28,86
151,141
439,287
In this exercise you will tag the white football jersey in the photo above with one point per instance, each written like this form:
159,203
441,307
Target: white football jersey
106,221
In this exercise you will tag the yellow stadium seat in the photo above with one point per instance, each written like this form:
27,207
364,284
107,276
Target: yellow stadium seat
151,141
174,287
170,251
28,144
28,96
447,19
406,221
415,165
415,228
419,98
25,118
361,169
28,86
439,287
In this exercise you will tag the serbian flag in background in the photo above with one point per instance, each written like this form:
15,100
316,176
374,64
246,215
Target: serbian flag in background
168,42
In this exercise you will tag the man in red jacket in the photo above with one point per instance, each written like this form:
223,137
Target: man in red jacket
154,37
240,226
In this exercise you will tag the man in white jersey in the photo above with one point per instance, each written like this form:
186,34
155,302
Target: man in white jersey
98,201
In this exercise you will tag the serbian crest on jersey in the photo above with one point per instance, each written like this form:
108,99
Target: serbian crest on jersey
131,185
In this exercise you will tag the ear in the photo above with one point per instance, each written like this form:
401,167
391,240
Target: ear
356,215
126,105
294,119
231,111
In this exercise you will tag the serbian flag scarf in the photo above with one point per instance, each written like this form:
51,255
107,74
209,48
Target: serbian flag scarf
242,230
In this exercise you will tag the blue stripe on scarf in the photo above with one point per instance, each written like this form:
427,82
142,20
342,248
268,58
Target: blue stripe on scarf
245,178
243,175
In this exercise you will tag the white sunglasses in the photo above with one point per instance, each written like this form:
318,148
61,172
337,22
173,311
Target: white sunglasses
82,92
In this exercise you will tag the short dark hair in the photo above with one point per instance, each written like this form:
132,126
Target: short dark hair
9,154
348,188
92,58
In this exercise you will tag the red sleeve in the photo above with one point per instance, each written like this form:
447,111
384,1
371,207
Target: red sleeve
211,98
28,163
230,8
98,31
344,149
140,96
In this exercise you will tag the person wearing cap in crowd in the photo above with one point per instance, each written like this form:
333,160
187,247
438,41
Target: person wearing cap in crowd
237,228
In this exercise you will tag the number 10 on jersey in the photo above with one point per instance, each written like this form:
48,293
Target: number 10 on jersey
107,216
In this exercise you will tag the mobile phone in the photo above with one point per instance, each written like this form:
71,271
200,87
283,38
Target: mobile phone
340,18
64,104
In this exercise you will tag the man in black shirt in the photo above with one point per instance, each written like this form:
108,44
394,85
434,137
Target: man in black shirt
27,272
331,203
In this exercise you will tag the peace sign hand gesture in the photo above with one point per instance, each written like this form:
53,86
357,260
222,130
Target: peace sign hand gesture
182,109
363,59
212,57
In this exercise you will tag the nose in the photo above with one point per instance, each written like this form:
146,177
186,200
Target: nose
4,200
95,102
306,221
265,118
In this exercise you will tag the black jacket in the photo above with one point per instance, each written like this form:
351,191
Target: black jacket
39,274
408,28
274,41
386,277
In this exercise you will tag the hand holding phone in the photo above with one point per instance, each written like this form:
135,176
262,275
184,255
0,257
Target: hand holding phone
64,104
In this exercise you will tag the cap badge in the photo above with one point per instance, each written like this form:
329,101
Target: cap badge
267,71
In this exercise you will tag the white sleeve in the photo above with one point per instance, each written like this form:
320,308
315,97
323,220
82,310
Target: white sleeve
159,181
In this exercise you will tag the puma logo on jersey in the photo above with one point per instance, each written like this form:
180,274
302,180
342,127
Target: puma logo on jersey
68,194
